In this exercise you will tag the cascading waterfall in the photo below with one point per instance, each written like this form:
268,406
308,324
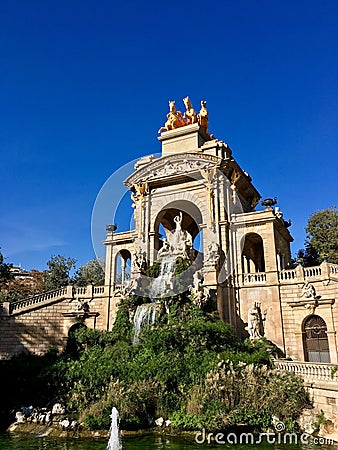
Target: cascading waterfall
114,442
177,243
159,285
145,315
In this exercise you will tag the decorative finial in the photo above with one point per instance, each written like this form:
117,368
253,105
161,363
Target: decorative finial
269,202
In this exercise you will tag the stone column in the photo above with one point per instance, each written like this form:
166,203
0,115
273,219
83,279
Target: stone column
123,270
151,250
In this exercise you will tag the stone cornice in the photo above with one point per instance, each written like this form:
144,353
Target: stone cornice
172,166
183,131
315,303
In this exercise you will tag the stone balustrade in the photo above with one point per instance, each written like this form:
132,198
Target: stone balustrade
51,295
254,278
83,292
333,269
99,290
309,371
299,274
312,271
287,274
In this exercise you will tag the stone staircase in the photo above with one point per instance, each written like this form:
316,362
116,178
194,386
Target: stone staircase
46,298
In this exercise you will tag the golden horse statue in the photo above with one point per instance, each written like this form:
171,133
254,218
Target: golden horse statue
175,119
190,114
203,116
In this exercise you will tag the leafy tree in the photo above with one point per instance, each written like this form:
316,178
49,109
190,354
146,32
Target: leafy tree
6,276
58,273
5,271
18,288
308,257
90,273
322,236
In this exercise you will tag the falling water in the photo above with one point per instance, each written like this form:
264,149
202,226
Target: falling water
159,285
145,315
114,442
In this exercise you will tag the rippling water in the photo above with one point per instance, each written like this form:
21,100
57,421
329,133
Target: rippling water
33,442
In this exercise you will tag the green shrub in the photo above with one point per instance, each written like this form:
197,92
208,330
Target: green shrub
189,366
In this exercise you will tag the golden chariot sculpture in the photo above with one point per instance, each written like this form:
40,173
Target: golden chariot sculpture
175,119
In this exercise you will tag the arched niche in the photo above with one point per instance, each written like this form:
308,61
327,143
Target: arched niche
315,340
72,347
122,266
191,221
253,259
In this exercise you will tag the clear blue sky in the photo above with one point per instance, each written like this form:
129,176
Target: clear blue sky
85,86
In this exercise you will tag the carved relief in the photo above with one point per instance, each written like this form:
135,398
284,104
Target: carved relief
235,176
309,291
140,191
139,259
212,256
165,167
210,177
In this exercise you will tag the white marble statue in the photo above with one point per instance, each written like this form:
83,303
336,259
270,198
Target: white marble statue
309,291
200,292
213,256
255,321
178,242
164,250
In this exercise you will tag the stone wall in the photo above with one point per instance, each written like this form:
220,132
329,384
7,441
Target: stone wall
296,308
320,382
44,321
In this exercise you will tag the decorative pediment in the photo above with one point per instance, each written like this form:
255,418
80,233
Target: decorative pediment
172,166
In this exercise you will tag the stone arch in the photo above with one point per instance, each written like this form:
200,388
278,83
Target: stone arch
315,339
76,326
122,268
187,202
192,219
253,258
72,347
